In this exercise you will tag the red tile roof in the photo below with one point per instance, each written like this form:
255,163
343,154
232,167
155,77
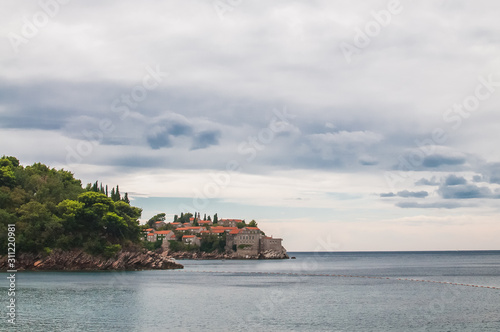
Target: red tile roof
223,228
253,228
163,232
188,236
189,228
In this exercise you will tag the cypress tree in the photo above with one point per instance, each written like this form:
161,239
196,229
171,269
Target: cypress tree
125,198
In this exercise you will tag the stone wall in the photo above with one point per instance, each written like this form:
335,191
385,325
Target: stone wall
271,244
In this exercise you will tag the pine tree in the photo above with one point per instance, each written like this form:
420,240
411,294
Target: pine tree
125,199
216,219
205,217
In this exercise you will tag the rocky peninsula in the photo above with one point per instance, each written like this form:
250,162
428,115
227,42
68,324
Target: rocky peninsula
78,260
268,254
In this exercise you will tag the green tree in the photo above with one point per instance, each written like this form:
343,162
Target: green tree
7,176
158,217
185,217
37,227
115,225
126,199
252,223
6,218
52,210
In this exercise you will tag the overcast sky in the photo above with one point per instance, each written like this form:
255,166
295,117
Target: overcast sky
337,125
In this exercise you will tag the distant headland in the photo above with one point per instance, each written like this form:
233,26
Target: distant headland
49,221
189,236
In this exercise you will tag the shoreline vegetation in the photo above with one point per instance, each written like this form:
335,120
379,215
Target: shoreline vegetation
60,225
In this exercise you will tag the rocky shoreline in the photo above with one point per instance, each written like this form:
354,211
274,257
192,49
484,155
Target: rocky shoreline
269,254
77,260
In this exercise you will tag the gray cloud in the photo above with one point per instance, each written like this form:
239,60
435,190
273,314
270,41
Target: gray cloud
491,173
159,139
434,205
427,182
367,161
416,194
437,160
453,180
465,191
179,129
205,139
407,194
477,178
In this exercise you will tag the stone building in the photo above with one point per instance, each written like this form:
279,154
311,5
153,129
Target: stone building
270,243
191,239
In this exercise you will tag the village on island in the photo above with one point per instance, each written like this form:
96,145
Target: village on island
233,238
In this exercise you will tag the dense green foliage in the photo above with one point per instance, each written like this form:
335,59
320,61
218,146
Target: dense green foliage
152,245
252,223
51,210
212,242
181,246
184,218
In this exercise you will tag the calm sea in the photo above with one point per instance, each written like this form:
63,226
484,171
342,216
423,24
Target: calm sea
314,292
